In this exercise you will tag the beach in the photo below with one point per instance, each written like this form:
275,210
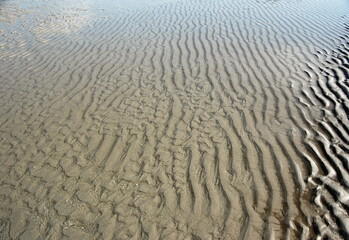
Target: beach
174,119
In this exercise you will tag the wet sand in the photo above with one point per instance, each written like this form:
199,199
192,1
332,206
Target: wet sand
174,119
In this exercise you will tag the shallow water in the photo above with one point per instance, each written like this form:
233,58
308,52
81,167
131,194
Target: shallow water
174,119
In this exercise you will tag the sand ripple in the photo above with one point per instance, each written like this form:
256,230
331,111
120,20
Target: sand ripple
174,120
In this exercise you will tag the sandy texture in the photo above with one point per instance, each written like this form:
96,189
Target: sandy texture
174,119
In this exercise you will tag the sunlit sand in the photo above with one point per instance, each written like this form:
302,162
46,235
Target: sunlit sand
174,119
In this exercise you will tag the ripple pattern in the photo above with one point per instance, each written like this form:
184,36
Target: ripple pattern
180,120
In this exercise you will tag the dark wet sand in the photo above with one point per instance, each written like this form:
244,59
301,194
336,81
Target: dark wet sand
174,119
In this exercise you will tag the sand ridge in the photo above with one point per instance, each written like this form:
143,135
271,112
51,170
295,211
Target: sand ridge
179,120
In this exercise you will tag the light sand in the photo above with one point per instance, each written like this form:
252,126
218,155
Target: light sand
174,120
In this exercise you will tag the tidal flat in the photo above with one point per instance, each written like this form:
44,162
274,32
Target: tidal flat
174,119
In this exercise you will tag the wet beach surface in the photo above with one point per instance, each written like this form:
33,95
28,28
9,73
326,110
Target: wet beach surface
174,119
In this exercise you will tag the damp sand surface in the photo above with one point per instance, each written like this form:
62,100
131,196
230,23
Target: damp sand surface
173,119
